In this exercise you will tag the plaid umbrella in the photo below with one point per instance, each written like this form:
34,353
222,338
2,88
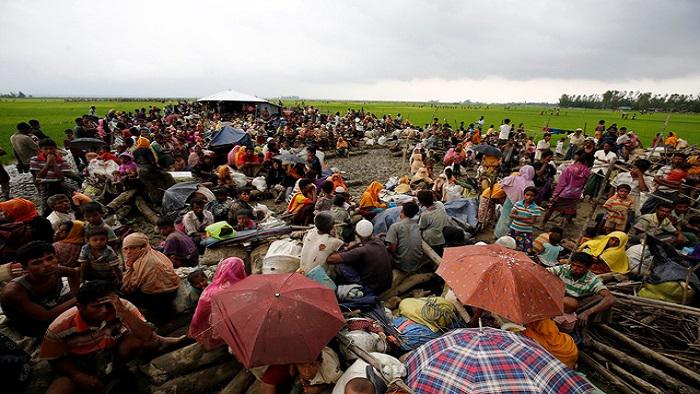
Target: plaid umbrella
489,361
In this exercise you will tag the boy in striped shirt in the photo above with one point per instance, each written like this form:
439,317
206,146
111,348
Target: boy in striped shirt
524,214
618,207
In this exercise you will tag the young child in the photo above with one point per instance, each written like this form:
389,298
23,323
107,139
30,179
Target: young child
98,261
92,213
198,281
245,220
550,254
61,212
524,214
618,208
559,150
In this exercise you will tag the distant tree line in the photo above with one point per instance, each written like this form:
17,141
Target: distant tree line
634,100
15,95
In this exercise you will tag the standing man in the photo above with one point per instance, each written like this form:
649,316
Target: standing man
504,132
542,145
36,130
576,140
24,146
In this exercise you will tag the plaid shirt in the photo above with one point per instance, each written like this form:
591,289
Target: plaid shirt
586,285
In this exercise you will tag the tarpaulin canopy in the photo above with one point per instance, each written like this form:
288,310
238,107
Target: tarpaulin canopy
233,96
229,136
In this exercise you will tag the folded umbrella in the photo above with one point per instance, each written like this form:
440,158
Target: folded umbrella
489,360
276,319
502,281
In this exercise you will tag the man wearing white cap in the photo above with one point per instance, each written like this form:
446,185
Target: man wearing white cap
576,140
366,261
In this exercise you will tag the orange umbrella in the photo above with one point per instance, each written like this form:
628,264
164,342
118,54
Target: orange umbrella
502,281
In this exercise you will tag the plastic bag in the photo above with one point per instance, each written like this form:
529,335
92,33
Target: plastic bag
259,183
283,256
239,179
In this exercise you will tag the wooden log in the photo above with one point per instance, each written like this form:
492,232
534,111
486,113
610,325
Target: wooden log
121,199
635,381
647,370
430,253
175,363
145,210
661,360
669,306
407,284
124,211
609,376
200,381
240,383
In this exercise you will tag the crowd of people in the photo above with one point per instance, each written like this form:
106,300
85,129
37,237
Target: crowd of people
90,291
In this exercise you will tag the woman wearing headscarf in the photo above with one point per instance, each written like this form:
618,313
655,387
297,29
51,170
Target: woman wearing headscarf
404,186
567,193
143,154
229,272
416,161
18,210
341,147
608,253
370,204
150,280
69,238
422,175
127,166
513,186
559,344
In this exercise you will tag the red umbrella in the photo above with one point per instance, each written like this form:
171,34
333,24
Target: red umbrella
502,281
276,319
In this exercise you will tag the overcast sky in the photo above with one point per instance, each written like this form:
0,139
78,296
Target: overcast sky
495,51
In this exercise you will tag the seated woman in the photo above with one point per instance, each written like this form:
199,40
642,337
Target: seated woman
370,204
608,253
69,238
559,344
150,280
302,203
228,272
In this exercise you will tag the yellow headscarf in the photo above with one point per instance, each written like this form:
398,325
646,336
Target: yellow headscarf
404,185
76,235
370,198
562,346
143,142
614,257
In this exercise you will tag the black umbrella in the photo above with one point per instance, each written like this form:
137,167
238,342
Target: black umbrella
175,198
288,158
487,149
87,143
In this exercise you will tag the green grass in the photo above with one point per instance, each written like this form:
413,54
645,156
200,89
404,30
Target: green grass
646,126
56,115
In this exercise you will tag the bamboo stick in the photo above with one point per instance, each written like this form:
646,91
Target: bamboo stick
652,355
626,375
430,253
240,383
611,378
647,370
656,303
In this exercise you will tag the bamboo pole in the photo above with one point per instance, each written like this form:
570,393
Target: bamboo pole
660,304
430,253
650,354
636,381
240,383
687,281
647,370
611,378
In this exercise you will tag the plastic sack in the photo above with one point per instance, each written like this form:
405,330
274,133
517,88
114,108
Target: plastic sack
319,275
283,256
239,179
259,183
382,140
103,168
391,183
668,292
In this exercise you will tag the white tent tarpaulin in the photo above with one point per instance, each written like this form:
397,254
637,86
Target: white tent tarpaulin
233,96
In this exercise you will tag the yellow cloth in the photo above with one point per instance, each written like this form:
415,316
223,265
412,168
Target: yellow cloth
437,316
370,198
76,235
297,202
671,140
560,345
143,142
498,192
671,291
614,257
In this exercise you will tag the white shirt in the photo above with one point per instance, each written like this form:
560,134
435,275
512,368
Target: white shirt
560,148
505,132
603,160
576,140
542,145
317,247
56,218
